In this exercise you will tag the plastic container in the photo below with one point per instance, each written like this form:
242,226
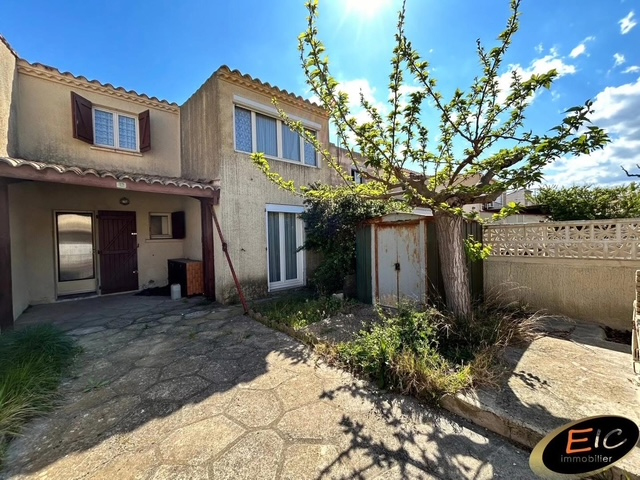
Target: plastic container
176,291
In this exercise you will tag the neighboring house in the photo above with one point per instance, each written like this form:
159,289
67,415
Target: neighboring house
529,211
100,186
350,168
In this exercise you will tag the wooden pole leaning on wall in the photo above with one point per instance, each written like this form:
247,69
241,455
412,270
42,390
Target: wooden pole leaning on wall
233,272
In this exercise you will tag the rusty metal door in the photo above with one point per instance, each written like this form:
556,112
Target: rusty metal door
118,250
401,266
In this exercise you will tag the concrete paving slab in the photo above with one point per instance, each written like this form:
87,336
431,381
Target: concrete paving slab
249,404
572,374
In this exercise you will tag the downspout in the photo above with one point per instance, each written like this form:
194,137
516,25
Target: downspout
233,272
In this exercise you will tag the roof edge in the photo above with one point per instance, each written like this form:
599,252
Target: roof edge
9,47
52,73
236,76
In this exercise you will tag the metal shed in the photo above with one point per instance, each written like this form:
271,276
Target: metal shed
391,259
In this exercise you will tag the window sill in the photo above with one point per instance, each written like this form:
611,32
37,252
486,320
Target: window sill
283,160
116,150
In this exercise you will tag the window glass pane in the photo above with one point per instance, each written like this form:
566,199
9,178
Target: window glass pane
310,157
267,135
75,246
104,128
290,144
290,246
273,234
243,130
127,132
159,225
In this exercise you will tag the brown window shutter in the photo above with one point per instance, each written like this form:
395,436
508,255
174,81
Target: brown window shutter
82,115
145,131
178,225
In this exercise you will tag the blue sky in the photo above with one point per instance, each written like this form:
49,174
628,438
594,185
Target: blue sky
168,49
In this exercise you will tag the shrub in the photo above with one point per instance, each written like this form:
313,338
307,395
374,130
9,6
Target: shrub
426,353
589,202
331,217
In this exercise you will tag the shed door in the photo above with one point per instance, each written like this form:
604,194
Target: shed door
118,250
400,263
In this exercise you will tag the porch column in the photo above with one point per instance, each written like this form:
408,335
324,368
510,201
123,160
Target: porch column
208,268
6,292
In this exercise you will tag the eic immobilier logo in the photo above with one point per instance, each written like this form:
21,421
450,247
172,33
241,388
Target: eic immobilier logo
584,447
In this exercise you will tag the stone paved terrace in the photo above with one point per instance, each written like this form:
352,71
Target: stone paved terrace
182,390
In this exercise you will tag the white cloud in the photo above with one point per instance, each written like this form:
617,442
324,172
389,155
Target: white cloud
627,23
581,48
537,67
632,69
539,48
618,59
616,111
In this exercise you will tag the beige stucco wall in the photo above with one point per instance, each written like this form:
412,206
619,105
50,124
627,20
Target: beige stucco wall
33,248
245,192
598,291
8,92
45,128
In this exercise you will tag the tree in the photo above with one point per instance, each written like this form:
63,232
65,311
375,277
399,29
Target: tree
589,202
631,174
481,149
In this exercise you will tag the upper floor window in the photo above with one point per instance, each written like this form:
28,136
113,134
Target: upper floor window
106,128
357,176
256,132
115,130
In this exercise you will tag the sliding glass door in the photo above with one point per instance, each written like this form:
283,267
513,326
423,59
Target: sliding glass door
285,261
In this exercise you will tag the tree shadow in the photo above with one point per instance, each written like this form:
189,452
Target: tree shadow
149,366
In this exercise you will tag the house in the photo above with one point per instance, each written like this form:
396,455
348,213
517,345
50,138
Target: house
101,186
529,211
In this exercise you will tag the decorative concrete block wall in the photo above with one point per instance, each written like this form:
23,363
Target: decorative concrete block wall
585,270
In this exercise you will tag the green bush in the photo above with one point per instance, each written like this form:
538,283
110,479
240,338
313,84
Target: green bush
331,217
426,353
589,202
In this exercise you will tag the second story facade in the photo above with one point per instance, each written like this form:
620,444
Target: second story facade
63,119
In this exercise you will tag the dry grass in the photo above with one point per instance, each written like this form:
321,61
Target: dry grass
427,353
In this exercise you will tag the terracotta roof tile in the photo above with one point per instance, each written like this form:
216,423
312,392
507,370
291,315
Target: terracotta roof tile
228,71
96,82
120,176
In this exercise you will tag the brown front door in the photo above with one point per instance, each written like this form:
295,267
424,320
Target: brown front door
117,247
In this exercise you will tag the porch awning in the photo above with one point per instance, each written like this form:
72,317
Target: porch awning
89,177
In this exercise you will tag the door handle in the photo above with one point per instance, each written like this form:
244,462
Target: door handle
135,271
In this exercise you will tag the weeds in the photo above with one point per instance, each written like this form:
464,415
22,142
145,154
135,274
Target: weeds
94,384
32,363
299,311
427,353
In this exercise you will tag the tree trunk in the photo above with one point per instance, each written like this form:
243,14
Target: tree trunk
453,263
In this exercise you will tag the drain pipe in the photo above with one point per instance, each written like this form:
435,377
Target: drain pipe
226,252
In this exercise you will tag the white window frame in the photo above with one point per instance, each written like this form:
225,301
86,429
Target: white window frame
254,108
116,126
169,233
357,176
301,280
